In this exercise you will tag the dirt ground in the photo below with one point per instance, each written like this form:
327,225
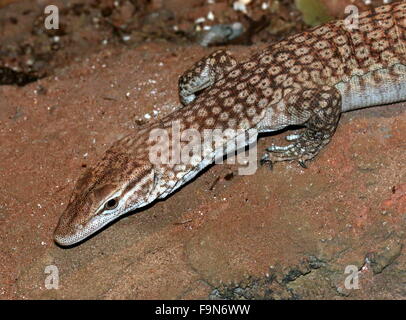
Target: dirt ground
290,233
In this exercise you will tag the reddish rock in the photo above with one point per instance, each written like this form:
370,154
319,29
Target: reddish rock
286,233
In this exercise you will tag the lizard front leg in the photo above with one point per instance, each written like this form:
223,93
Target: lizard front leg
204,73
324,109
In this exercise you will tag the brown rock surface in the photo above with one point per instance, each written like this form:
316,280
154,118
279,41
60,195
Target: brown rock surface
289,233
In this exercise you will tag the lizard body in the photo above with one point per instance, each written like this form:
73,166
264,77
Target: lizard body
308,79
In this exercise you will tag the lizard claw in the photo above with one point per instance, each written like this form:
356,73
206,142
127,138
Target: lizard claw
303,164
286,153
265,160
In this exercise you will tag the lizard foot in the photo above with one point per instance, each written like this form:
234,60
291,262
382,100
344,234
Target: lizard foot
319,129
305,147
203,74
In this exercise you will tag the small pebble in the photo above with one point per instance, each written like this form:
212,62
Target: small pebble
200,20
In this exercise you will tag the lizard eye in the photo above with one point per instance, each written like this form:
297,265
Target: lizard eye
111,204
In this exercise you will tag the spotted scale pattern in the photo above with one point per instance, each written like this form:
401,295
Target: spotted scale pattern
204,73
308,79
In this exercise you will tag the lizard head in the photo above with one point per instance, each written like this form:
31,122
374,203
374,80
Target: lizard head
114,186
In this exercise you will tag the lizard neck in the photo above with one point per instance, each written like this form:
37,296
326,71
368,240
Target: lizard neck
192,138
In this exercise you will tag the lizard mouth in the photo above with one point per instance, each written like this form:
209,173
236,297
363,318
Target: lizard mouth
68,238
